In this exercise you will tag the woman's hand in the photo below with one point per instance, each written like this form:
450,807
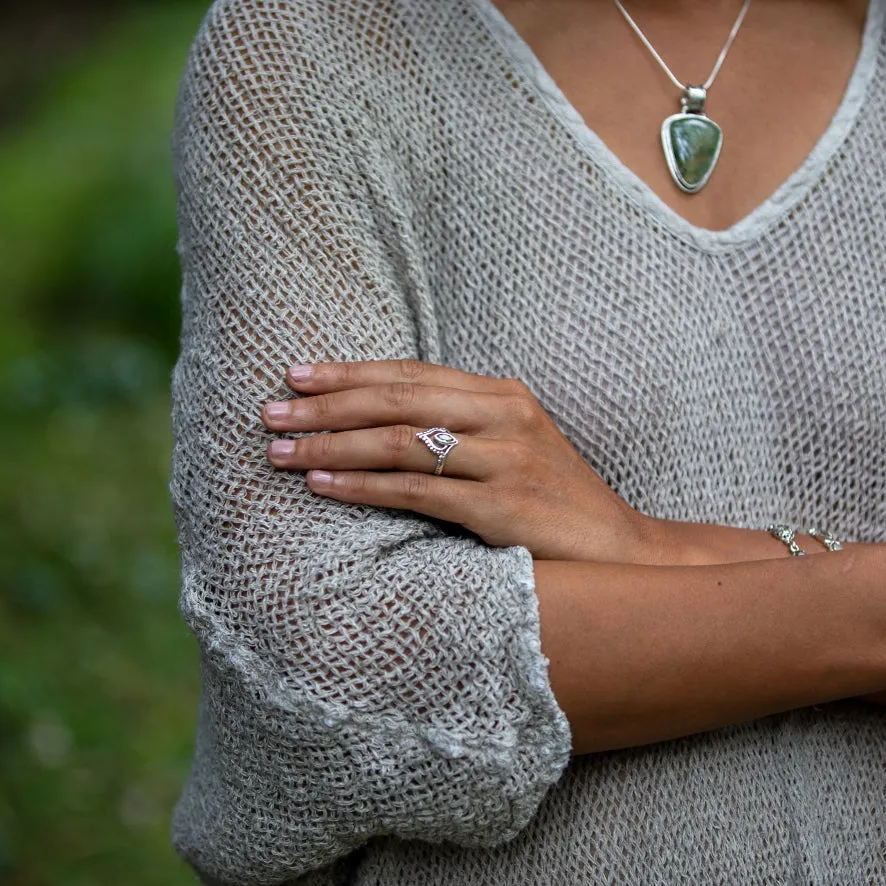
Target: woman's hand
513,479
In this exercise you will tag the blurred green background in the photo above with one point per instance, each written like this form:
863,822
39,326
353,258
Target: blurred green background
97,672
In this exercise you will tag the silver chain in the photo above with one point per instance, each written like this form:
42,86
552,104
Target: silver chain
719,64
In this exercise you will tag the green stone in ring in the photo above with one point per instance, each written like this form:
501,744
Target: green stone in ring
692,144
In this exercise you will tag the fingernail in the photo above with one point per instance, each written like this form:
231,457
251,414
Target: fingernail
301,372
276,411
281,449
321,478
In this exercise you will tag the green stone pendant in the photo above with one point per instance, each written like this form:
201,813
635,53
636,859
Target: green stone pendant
691,142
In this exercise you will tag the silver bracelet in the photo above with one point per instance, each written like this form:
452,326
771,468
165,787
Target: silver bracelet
828,540
786,535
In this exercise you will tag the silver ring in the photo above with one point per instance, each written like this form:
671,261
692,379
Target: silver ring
441,442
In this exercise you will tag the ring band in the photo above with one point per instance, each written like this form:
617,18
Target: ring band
441,442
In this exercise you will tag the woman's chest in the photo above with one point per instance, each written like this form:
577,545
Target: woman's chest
692,368
687,379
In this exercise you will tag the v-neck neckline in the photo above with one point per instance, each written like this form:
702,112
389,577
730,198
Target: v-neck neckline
764,215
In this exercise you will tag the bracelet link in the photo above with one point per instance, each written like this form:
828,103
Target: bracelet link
787,536
828,540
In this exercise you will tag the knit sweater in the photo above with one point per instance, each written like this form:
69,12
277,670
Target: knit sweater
375,180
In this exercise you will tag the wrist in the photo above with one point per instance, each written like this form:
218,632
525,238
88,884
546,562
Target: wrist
636,539
673,543
670,543
676,543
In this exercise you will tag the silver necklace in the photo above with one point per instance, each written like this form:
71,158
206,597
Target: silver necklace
690,139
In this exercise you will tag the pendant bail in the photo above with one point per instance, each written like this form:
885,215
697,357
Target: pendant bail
693,99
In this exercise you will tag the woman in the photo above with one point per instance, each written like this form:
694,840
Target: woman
477,662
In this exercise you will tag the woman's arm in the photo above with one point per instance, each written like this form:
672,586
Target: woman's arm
364,672
521,482
641,654
514,478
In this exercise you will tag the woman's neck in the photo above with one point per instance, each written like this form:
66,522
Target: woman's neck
775,96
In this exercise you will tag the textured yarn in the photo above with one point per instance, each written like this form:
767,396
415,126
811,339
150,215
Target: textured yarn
376,179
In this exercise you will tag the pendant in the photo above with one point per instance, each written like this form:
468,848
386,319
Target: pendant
691,142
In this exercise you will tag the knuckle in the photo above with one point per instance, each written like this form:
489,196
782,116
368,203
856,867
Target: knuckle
415,487
412,369
400,395
323,445
321,407
344,373
525,410
516,386
484,501
398,439
492,510
356,482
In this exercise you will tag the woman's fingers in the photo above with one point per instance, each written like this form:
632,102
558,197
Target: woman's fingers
390,404
513,479
389,448
325,377
442,497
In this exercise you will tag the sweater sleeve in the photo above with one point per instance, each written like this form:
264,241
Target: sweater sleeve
365,671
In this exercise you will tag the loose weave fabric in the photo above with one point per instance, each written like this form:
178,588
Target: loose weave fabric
377,179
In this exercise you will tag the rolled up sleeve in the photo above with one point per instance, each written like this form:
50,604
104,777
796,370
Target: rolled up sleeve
365,671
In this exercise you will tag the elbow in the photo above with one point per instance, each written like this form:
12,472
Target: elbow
263,801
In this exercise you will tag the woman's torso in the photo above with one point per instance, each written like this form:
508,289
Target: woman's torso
734,376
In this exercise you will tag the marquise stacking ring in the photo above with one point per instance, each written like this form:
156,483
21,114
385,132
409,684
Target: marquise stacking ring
441,442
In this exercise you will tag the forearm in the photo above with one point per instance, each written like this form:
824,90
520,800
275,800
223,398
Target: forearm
643,653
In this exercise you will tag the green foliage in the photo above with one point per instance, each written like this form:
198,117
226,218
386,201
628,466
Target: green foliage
98,677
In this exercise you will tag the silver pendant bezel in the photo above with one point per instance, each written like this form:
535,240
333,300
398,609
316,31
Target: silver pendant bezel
671,160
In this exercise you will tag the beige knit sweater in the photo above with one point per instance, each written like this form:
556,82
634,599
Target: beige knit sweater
365,179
